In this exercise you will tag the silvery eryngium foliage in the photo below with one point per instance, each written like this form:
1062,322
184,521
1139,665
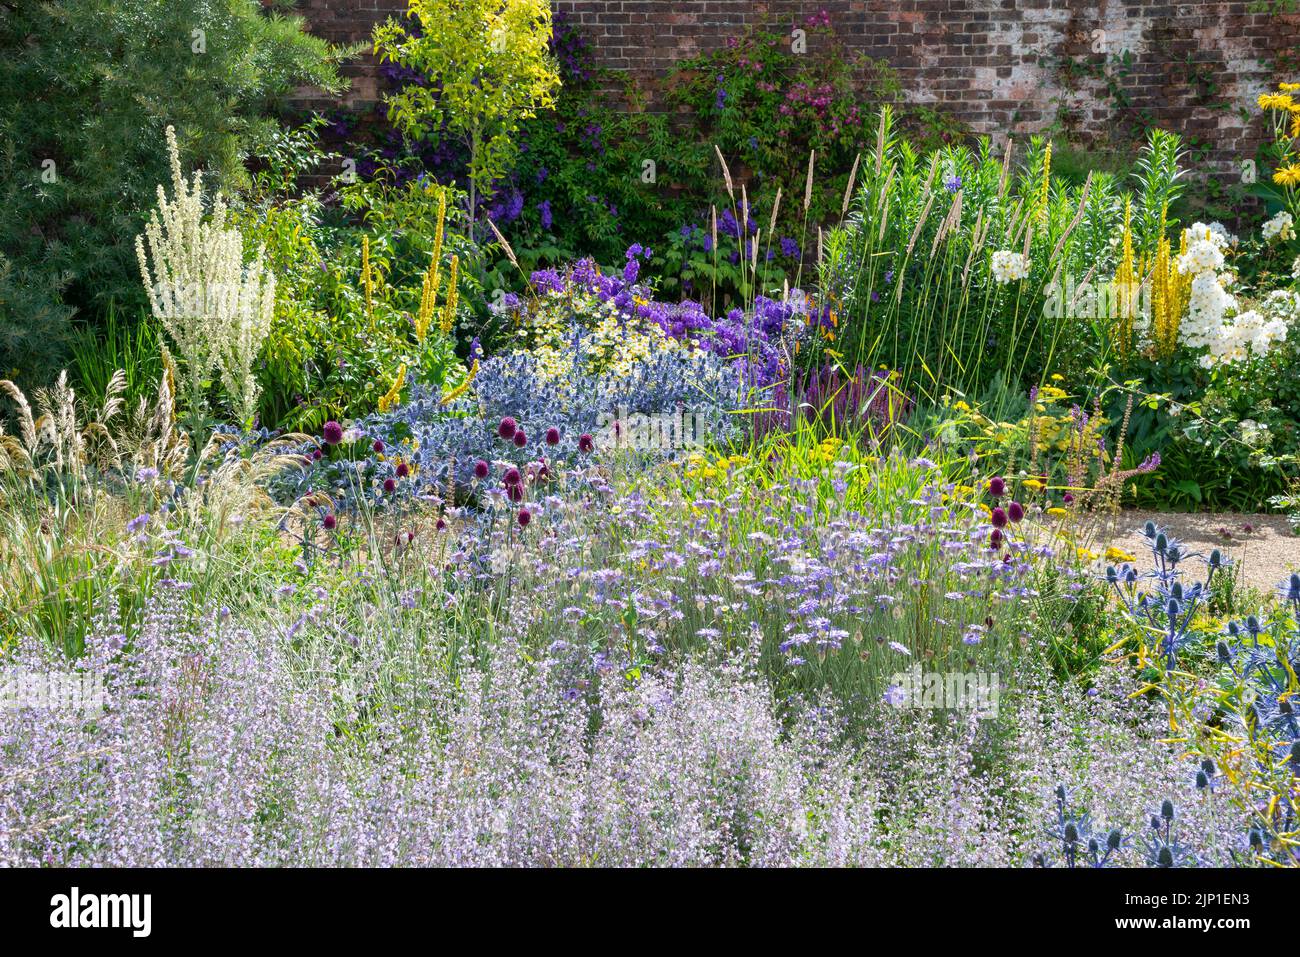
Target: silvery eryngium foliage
214,307
434,438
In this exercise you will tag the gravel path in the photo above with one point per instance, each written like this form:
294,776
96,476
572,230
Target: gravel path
1262,545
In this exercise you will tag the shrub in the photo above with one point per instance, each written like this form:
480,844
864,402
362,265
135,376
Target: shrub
88,88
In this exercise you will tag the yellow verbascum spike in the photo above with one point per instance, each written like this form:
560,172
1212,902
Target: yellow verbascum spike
389,398
367,284
461,389
449,310
432,277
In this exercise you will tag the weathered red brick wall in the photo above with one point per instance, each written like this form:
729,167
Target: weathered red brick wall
998,65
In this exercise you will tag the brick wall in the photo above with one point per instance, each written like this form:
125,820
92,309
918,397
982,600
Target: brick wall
995,64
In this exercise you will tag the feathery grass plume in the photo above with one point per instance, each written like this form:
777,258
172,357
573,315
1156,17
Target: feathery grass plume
883,136
808,182
848,189
505,245
1005,178
453,299
776,207
726,174
976,244
367,281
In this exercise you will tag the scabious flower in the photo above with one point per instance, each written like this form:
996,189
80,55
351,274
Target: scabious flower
332,433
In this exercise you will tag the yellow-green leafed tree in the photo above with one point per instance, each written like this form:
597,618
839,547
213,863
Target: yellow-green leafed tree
489,68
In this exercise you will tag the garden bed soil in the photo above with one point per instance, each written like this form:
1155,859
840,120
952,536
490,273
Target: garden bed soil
1263,546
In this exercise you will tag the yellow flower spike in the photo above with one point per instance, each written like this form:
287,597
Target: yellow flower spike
449,310
389,398
461,389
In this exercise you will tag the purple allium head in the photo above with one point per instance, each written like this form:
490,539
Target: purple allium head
515,493
552,436
995,540
403,470
999,518
585,442
330,522
997,486
442,524
512,476
316,455
332,433
390,485
1067,498
378,446
481,469
507,428
1015,511
521,438
525,517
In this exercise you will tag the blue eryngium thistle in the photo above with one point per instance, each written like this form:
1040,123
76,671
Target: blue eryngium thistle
1171,606
1080,847
1163,848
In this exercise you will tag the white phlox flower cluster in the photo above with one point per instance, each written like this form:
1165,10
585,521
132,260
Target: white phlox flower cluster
1009,266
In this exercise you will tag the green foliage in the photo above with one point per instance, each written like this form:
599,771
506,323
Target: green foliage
86,88
333,351
488,68
34,325
912,270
